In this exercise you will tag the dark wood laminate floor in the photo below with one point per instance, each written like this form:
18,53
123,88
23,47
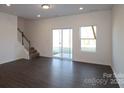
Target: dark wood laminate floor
53,73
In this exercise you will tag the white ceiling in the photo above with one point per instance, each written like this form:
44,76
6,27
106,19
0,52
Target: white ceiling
30,11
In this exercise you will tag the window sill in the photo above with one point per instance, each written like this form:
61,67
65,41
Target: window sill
88,50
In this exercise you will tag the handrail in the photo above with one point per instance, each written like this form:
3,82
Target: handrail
24,37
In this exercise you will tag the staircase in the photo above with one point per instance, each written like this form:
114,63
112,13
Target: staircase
32,52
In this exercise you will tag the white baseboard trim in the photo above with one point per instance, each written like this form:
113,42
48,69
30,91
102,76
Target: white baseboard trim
121,84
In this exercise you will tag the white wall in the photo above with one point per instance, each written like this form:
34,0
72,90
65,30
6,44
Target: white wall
40,34
21,26
21,23
9,46
118,43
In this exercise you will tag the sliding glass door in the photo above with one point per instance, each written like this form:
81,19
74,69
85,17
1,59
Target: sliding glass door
57,52
62,43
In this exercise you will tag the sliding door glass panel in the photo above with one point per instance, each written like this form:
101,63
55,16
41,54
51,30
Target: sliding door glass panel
57,43
67,43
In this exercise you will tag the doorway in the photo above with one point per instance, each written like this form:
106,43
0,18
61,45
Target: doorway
62,43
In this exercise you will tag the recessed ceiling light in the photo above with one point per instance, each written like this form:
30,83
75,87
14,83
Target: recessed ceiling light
8,4
45,6
38,15
81,8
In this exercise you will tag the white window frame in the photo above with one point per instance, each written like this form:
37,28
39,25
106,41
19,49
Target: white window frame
95,38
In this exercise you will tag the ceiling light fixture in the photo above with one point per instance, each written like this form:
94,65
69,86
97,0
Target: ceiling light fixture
8,4
38,15
81,8
45,6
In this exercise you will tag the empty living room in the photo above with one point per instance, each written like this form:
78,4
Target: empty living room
61,45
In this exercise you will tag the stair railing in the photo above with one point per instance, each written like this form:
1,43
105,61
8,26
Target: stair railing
24,38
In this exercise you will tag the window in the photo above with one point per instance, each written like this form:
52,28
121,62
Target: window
88,38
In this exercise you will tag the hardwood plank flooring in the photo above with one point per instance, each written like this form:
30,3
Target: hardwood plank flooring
54,73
